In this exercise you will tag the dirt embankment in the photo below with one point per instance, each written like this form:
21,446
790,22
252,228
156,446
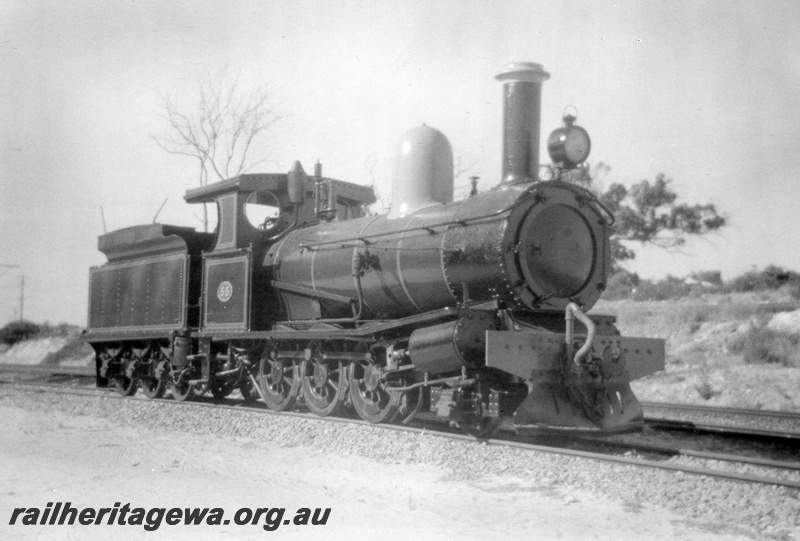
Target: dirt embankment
731,350
61,350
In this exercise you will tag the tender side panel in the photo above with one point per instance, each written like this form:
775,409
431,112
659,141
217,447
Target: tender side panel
148,294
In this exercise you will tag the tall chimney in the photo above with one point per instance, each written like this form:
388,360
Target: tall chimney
522,101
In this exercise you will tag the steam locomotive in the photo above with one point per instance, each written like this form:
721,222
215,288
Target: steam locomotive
474,310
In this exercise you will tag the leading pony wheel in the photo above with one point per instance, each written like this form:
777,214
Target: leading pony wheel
472,405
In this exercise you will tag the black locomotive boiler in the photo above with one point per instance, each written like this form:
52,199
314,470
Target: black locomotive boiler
472,309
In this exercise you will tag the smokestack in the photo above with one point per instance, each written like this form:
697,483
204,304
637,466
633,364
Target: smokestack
522,102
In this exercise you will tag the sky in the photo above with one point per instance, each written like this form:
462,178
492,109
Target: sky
703,92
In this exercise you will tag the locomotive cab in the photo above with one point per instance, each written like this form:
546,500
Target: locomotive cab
254,211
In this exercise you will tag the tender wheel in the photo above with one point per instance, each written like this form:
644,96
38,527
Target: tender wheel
371,400
279,380
324,385
156,386
126,386
182,390
153,387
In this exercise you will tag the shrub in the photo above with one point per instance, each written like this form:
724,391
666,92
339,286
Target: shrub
665,289
712,277
18,331
794,291
737,342
705,389
621,285
765,346
772,277
62,330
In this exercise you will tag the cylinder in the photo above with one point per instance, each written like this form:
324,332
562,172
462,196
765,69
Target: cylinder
445,348
522,96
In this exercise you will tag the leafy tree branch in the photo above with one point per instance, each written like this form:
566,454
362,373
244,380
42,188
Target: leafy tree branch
650,213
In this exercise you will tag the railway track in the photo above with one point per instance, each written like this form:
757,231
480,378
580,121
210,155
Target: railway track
51,370
770,427
769,472
672,451
654,407
790,437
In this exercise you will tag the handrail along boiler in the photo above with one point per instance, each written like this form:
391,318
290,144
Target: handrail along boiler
472,309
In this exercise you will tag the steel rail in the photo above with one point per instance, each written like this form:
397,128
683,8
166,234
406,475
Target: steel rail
724,430
705,455
720,410
729,476
48,369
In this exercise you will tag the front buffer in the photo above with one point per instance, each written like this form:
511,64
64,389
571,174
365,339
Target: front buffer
588,390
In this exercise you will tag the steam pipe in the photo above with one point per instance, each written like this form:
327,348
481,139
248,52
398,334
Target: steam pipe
575,310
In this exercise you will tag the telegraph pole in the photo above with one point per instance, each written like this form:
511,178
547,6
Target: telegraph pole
21,297
21,290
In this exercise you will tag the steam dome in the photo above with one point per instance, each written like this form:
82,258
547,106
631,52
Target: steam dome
424,173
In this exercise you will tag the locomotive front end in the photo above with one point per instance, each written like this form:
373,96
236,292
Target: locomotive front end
525,282
578,368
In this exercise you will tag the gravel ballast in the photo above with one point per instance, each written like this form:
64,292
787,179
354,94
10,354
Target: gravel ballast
736,508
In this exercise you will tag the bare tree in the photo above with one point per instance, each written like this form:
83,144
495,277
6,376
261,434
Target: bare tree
218,131
370,162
